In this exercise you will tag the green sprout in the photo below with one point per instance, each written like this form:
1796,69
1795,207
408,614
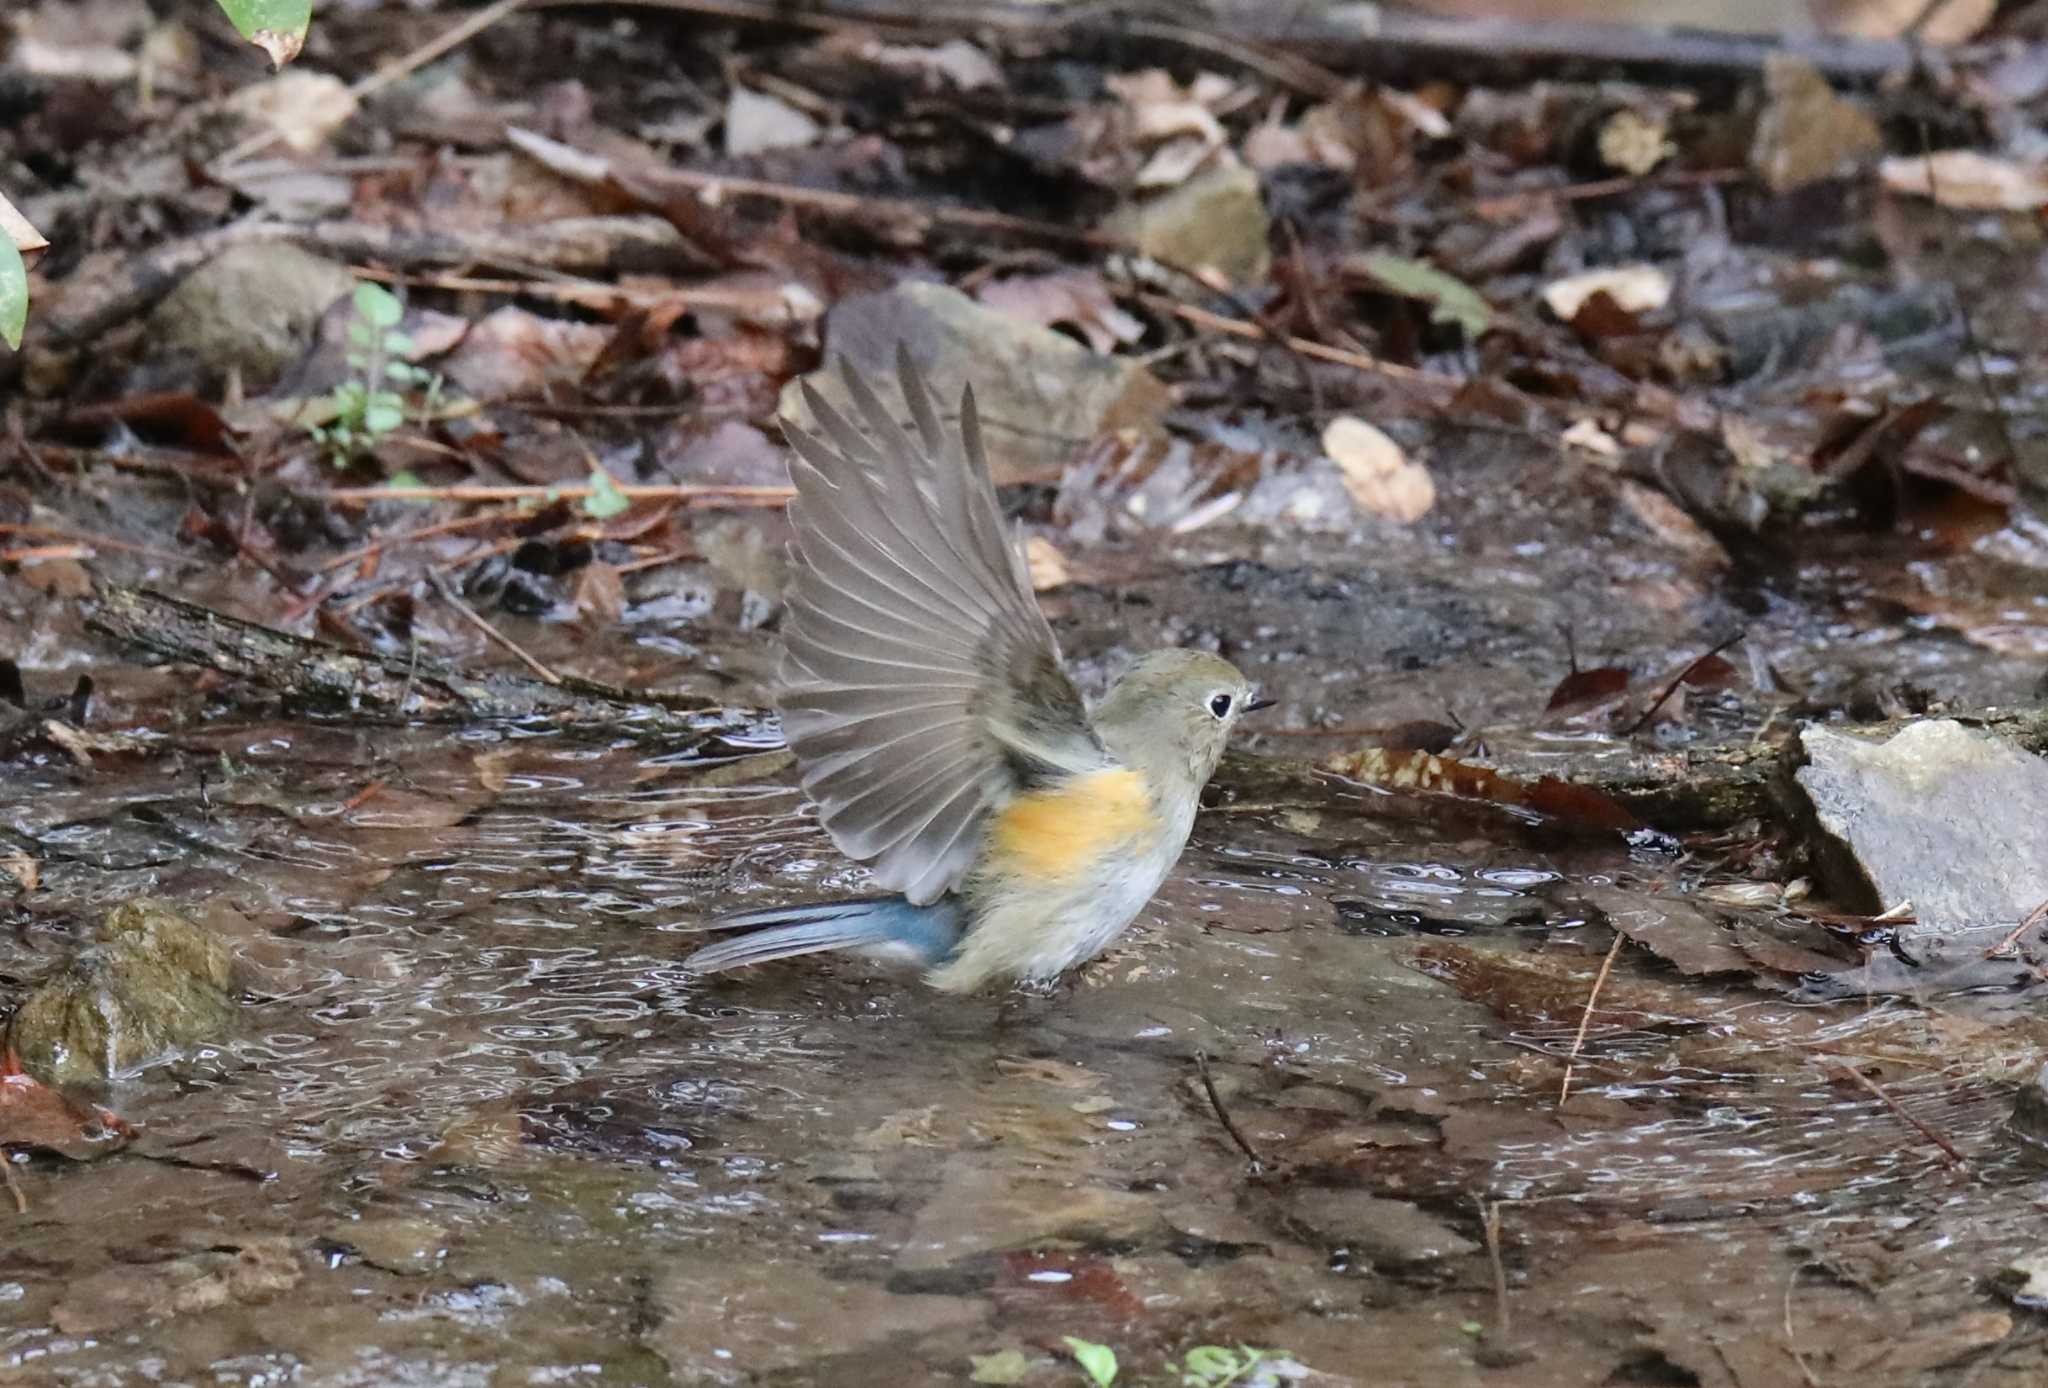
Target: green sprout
1097,1361
372,403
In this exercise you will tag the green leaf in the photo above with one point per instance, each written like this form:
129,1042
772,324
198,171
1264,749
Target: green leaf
378,306
1210,1364
1097,1361
13,293
382,416
398,344
404,477
1473,1328
1451,299
605,499
278,27
1004,1366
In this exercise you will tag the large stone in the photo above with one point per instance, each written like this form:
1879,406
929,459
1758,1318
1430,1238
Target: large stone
1215,221
253,308
1390,1233
1040,395
154,983
1952,820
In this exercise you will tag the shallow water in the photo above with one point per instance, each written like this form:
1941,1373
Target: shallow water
480,1127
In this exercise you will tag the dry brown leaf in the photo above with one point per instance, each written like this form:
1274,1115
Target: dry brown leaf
1589,437
1075,298
301,108
1635,143
1968,181
756,122
1378,475
12,224
1047,566
1665,519
1634,289
956,62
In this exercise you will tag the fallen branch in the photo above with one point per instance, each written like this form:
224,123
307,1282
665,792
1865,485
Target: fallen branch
1377,40
373,685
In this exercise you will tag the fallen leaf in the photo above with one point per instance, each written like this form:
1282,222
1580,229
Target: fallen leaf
18,229
1968,181
956,62
1807,132
1075,298
1047,566
37,1117
1589,437
756,122
1582,805
1633,288
1584,691
301,108
1377,474
1450,298
1634,143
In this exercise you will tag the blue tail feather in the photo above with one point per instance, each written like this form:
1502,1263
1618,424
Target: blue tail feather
882,925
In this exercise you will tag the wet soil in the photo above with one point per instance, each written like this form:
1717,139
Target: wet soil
477,1125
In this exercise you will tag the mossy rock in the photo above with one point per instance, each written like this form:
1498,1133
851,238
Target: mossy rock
153,983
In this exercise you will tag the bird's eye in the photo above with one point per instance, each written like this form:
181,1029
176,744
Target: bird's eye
1219,704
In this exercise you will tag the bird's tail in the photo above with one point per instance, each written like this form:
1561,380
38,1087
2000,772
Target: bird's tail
884,926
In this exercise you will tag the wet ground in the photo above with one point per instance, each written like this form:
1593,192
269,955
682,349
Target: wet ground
1342,1092
478,1126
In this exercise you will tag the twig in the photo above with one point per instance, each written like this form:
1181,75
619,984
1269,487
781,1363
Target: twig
51,532
468,613
1564,1090
1238,327
1223,1115
1971,342
2007,947
681,491
1680,678
1489,1222
389,542
13,1185
1791,1340
1947,1147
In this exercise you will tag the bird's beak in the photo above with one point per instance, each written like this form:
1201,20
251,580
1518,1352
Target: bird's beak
1255,705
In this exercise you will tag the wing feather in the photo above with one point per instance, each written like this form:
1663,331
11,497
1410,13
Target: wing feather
922,685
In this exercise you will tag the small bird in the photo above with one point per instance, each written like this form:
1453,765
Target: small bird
938,733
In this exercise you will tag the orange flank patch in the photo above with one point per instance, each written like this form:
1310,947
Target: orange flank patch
1057,834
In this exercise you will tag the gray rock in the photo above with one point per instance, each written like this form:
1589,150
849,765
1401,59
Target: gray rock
1952,820
1215,220
252,308
1388,1232
1040,394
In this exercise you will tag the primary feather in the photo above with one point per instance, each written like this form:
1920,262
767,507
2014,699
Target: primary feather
922,686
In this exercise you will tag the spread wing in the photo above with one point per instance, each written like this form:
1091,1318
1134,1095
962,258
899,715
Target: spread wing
922,685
